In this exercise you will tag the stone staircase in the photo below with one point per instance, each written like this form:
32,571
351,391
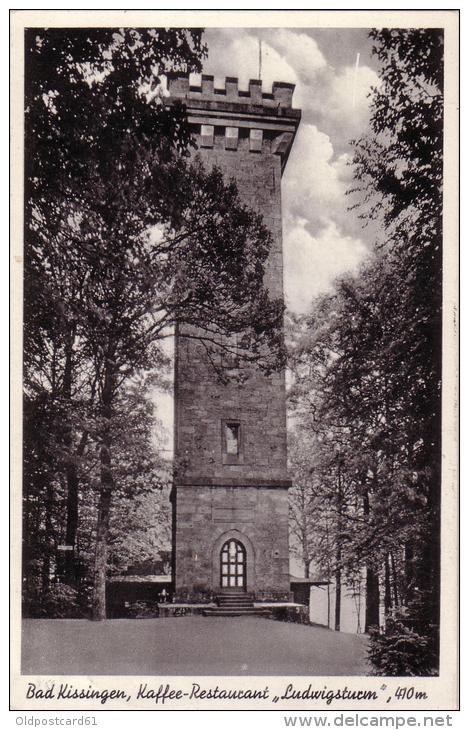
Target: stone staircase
235,604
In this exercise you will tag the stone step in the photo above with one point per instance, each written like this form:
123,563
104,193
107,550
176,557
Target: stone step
233,604
235,601
232,612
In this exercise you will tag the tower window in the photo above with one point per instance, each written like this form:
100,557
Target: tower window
255,140
232,438
231,138
232,444
206,135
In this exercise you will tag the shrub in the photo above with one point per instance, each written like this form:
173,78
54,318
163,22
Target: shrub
291,614
401,651
60,601
143,609
200,593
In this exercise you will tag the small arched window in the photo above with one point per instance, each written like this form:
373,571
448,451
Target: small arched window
233,564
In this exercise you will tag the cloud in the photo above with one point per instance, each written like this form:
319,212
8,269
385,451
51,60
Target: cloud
312,263
341,103
301,51
165,413
315,182
337,97
286,56
323,237
236,53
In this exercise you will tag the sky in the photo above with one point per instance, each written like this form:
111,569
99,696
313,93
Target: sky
322,238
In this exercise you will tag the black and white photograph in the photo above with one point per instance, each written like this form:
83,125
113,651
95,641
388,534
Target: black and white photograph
234,482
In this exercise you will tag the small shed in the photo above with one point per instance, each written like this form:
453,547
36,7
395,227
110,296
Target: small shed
301,588
131,595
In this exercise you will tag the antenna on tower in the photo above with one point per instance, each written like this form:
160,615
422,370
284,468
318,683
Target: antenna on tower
260,59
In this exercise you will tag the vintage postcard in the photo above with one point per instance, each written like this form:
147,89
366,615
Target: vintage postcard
235,369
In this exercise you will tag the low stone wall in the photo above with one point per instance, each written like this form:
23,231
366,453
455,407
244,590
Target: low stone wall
268,596
293,614
196,595
167,610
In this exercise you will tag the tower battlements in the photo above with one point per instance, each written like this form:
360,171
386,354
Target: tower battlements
232,118
279,101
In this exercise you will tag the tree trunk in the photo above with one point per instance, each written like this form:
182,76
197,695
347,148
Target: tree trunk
409,572
338,557
70,472
387,587
305,538
372,600
394,580
359,606
427,563
72,523
104,507
73,485
328,566
100,559
48,539
428,570
372,584
45,571
338,597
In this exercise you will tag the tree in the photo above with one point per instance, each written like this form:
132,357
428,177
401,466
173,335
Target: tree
142,240
400,170
305,505
344,376
80,84
368,366
140,516
325,515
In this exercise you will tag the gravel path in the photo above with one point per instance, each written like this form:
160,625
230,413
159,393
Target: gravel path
192,645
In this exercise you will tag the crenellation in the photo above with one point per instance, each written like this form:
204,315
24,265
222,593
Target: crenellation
280,97
255,91
283,93
207,85
231,88
179,85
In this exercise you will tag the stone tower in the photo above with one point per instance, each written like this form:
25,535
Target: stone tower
230,503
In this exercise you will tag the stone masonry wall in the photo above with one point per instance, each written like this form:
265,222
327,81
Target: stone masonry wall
257,516
259,403
245,134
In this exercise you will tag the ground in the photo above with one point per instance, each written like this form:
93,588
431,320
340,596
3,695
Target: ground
193,645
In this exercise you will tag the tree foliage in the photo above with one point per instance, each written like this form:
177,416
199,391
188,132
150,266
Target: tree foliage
368,365
125,238
401,652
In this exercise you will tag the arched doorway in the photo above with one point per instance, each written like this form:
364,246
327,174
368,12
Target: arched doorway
233,565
